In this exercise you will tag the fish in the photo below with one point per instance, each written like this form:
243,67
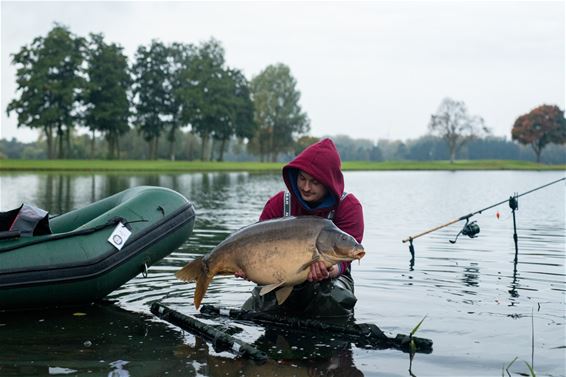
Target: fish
276,254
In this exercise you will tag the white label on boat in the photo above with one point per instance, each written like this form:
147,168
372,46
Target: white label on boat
119,236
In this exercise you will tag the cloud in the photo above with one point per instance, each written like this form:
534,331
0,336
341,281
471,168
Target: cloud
368,69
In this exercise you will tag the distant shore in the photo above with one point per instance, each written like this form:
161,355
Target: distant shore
199,166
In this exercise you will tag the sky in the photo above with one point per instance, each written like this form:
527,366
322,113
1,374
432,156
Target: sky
372,69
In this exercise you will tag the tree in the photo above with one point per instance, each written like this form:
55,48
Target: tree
152,93
375,154
493,147
277,111
180,56
203,92
540,127
353,149
106,95
49,84
303,142
238,109
453,123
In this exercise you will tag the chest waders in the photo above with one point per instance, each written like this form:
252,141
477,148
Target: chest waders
326,299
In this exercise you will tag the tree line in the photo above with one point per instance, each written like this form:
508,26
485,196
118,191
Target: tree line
424,148
183,101
66,82
539,128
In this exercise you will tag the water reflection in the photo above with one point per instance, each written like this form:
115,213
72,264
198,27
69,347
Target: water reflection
62,192
100,340
103,339
298,358
471,275
477,295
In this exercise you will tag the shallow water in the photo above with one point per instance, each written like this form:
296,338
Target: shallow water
481,307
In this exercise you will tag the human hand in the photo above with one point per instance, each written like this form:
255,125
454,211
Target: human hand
319,272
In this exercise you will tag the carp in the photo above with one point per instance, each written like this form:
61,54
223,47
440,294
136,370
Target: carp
276,254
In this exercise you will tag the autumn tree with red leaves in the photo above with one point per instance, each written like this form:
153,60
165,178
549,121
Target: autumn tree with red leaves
542,126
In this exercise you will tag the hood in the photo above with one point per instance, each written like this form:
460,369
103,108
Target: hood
322,161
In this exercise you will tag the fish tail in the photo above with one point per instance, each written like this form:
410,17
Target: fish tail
202,285
191,271
197,271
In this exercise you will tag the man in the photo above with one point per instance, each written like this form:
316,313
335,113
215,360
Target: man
316,188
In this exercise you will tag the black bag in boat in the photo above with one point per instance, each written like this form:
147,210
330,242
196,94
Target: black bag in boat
25,221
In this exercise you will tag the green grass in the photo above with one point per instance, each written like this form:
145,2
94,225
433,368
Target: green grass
134,166
446,165
198,166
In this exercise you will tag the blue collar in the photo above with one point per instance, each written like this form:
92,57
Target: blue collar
326,203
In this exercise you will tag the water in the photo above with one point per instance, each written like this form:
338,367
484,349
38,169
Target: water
481,307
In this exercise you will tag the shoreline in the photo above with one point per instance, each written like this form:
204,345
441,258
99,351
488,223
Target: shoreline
230,166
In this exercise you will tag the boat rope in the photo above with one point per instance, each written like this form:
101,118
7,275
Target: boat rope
472,229
58,236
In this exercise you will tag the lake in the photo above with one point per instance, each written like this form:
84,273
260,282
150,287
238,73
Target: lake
482,309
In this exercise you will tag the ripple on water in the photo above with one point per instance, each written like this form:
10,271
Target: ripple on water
481,307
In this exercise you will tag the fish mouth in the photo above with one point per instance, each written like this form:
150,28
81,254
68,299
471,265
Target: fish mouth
359,253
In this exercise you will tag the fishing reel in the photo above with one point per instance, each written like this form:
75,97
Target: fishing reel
470,229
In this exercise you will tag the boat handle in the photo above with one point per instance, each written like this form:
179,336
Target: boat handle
8,234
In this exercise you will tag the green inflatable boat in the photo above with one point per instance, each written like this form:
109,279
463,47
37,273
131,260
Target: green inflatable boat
83,255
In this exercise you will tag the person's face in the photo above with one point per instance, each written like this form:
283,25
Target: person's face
311,190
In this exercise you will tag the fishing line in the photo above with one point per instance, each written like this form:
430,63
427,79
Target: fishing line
471,229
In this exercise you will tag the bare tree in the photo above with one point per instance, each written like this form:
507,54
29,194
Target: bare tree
453,123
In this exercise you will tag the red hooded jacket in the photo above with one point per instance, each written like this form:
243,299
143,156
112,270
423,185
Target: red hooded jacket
321,161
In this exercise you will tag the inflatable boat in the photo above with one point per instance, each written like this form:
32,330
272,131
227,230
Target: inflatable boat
83,255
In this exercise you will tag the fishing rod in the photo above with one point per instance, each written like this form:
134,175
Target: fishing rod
471,229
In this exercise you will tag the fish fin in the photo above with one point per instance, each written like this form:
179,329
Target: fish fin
202,285
283,293
309,263
191,271
268,288
196,270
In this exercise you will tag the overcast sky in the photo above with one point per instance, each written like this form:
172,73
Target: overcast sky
365,69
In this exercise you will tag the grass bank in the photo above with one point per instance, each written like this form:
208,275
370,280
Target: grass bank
133,165
198,166
446,165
